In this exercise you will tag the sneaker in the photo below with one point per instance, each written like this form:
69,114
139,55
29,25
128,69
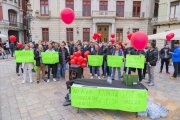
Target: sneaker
173,78
167,72
45,80
91,77
54,79
160,71
66,103
99,77
38,82
31,81
147,81
23,81
151,84
18,74
48,81
96,75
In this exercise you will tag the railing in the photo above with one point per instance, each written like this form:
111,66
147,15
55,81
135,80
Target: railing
103,13
12,23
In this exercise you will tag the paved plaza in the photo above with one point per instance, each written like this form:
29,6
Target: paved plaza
44,101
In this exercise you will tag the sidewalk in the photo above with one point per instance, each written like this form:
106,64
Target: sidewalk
44,101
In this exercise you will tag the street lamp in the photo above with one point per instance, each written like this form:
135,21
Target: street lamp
29,17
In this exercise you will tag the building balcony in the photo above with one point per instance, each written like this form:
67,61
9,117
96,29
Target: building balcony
103,13
12,24
165,20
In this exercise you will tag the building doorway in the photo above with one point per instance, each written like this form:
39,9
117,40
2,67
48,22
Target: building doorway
15,33
104,31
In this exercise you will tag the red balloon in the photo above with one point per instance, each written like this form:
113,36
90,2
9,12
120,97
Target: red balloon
67,15
120,42
71,57
87,52
99,36
83,65
76,54
85,60
72,61
80,59
129,36
139,40
78,63
79,53
19,45
112,41
125,44
112,35
169,36
12,38
96,35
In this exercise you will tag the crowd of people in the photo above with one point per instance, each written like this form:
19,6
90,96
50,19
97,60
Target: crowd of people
66,49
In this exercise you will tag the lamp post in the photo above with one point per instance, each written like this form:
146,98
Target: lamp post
29,17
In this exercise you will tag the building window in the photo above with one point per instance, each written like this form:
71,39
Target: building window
120,8
86,8
44,6
175,9
135,30
86,34
1,13
45,34
119,34
70,4
103,5
136,8
12,17
69,33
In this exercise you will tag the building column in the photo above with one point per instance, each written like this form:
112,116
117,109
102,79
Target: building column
94,27
112,29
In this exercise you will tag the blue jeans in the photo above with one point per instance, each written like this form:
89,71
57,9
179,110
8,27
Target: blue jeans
61,69
95,69
114,71
107,70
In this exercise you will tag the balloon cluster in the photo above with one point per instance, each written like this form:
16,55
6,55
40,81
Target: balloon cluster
112,38
19,45
77,59
97,36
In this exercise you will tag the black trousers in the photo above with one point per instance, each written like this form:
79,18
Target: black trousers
166,61
176,68
17,67
139,73
53,70
145,70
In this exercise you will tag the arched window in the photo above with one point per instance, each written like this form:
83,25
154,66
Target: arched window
12,17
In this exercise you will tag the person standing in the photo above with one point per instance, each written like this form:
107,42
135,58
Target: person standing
165,56
51,66
12,49
152,57
176,60
64,58
39,64
27,67
117,52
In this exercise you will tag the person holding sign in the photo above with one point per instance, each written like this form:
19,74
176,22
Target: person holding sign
27,67
51,66
96,68
117,52
151,59
39,64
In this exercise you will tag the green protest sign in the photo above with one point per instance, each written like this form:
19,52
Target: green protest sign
95,60
131,100
50,57
114,61
135,61
24,56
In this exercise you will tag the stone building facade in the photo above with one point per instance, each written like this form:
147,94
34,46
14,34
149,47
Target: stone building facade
102,16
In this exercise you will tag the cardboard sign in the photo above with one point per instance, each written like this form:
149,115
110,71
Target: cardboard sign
95,60
135,61
114,61
130,100
24,56
50,57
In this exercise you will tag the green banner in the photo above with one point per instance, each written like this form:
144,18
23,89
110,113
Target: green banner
24,56
95,60
114,61
130,100
135,61
50,57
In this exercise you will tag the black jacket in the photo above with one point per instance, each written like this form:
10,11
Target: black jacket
66,55
152,57
37,57
137,52
129,51
167,51
108,51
